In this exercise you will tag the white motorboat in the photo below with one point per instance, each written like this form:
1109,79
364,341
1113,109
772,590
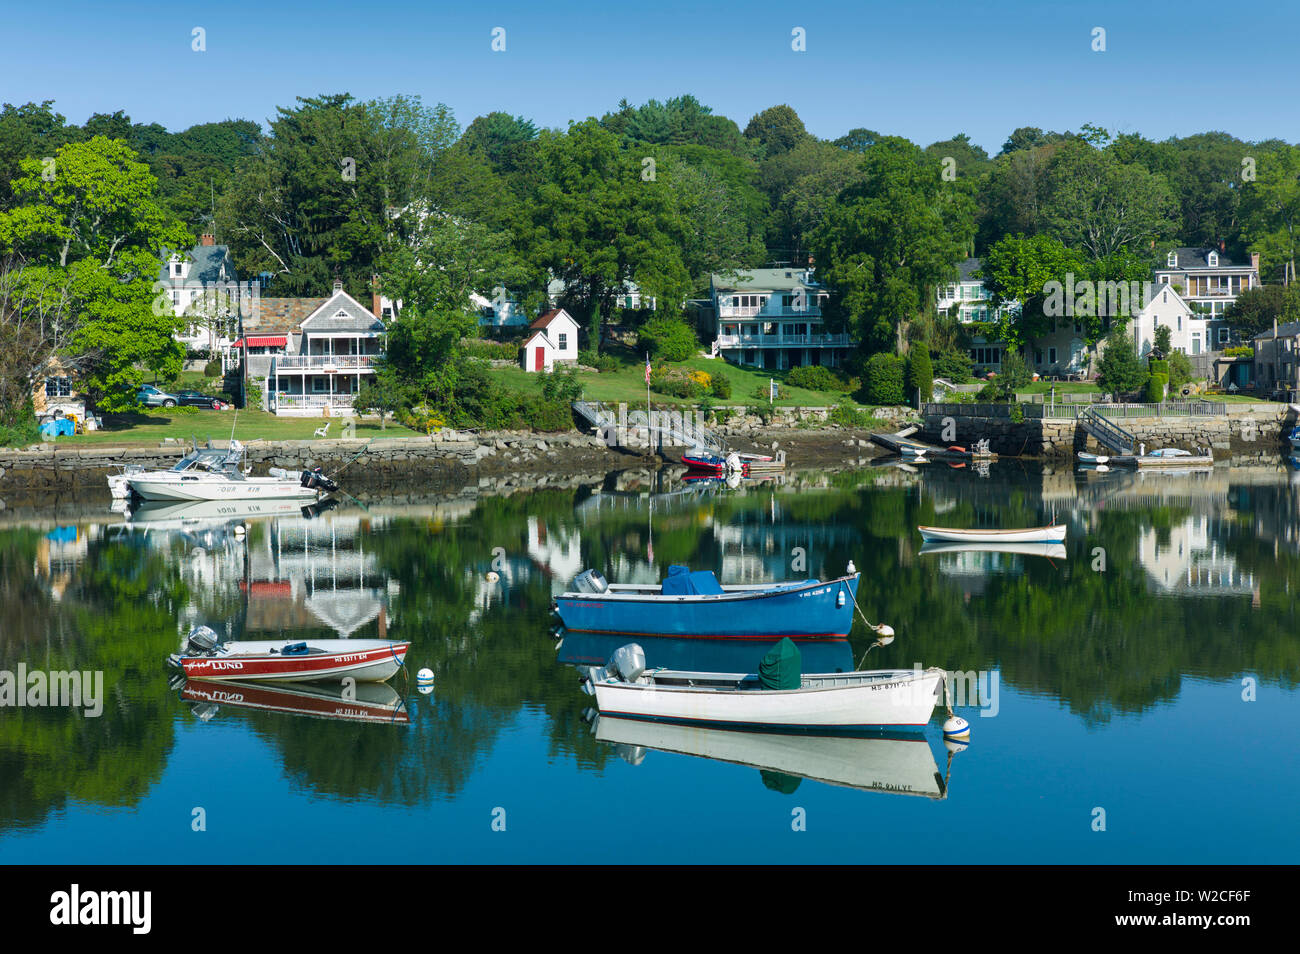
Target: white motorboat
827,703
220,474
1052,534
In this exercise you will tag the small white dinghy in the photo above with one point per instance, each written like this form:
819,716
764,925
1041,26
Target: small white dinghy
831,702
1052,534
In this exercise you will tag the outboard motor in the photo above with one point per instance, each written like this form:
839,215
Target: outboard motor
589,581
628,661
201,641
316,480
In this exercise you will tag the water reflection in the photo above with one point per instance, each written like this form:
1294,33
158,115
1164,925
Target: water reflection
1111,627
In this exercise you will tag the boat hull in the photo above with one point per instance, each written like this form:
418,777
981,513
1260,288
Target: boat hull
190,488
845,702
1052,534
365,660
800,611
372,702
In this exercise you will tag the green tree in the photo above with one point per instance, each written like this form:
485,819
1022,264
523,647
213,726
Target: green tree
776,129
1034,272
888,241
1255,309
1164,339
598,222
90,237
1119,371
920,373
1013,375
1271,211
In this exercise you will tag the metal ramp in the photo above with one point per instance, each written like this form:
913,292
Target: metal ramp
664,429
1108,433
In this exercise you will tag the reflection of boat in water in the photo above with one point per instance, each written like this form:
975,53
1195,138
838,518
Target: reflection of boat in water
364,702
702,655
1054,551
157,513
880,763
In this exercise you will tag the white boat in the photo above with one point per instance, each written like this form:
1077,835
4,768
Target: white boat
899,766
117,483
842,701
1053,551
1052,534
219,474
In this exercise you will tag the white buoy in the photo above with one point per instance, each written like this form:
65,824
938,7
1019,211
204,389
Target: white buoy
424,675
953,746
956,728
425,688
493,576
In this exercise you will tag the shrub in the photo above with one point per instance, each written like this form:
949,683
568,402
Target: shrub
490,350
212,369
954,365
987,394
1180,371
1245,351
677,383
21,429
668,339
1156,385
1158,367
814,377
601,362
181,409
884,379
720,386
846,415
920,373
422,418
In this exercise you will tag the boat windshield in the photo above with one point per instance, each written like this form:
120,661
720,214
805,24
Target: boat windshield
212,458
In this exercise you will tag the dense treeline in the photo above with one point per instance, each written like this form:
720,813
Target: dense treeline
660,195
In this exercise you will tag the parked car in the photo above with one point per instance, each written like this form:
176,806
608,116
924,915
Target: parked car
198,399
151,396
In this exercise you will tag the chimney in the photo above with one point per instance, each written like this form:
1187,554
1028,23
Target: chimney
1254,260
376,299
1222,246
208,239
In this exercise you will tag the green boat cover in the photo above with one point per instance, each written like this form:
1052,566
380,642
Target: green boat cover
781,667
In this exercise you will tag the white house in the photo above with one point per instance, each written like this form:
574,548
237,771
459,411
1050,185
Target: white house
1166,307
1209,282
772,318
204,272
552,337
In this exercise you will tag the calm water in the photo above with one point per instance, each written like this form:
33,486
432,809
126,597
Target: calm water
1121,671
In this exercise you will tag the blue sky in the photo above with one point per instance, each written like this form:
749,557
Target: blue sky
925,70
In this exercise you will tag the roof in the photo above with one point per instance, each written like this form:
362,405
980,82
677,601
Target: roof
1288,330
1189,257
342,312
208,263
764,279
544,320
966,270
272,316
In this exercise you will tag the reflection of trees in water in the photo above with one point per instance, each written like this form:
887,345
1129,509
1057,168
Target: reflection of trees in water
117,614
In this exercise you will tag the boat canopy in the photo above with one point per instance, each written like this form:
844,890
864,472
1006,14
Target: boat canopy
781,668
682,582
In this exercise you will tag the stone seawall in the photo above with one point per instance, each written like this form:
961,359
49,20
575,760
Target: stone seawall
1248,430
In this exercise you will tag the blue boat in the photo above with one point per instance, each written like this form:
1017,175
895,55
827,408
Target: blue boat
693,604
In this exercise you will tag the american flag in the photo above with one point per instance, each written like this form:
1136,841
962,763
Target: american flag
647,368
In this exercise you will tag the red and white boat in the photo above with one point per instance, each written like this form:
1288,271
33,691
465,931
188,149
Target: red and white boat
368,702
322,660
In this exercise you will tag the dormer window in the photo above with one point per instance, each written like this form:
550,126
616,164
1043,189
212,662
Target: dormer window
1173,260
176,268
1213,259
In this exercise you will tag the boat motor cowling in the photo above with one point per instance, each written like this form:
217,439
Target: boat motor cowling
589,581
628,661
316,480
201,641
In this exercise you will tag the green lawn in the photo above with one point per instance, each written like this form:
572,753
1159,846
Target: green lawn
128,429
1062,387
627,384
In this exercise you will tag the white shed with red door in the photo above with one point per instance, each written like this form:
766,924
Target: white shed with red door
552,337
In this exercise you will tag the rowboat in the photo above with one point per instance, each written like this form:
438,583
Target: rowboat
899,765
898,699
324,660
690,605
1052,534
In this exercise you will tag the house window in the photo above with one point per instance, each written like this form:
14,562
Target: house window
319,385
1213,260
1172,261
1180,322
564,342
1223,336
1038,356
58,387
1051,356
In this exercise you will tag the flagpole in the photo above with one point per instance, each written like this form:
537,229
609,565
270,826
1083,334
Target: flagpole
647,401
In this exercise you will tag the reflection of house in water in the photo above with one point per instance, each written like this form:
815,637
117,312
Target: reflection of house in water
58,555
971,569
308,574
1188,560
759,546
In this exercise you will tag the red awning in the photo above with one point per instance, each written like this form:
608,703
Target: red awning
273,341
